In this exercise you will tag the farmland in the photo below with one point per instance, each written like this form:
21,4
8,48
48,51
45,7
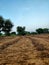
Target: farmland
24,50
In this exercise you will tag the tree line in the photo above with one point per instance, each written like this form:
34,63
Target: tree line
6,27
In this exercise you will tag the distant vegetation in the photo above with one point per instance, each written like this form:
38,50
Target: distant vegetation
6,27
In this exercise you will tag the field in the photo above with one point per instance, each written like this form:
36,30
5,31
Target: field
24,50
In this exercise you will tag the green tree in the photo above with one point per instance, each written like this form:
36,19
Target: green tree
39,31
46,30
7,27
21,30
1,23
27,33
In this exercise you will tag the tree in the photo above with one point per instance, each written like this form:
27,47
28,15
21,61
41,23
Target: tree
1,23
21,30
46,30
27,33
7,27
39,31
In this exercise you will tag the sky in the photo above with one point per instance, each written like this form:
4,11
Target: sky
32,14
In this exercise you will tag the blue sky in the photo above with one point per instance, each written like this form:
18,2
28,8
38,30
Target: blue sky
30,13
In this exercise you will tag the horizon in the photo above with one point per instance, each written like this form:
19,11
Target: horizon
32,14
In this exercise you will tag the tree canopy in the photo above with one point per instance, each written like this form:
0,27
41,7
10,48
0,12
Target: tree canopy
1,23
39,31
21,30
5,25
44,30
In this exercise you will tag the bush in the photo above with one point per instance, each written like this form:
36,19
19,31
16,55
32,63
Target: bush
13,33
33,33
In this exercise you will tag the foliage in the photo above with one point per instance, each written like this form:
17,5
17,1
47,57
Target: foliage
33,32
7,27
21,30
13,33
27,33
46,30
1,34
1,23
39,31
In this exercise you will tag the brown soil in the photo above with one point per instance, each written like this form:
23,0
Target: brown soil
24,50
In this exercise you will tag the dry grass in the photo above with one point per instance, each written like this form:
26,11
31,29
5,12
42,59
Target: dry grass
24,50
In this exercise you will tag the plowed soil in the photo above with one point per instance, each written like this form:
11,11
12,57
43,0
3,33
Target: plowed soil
24,50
